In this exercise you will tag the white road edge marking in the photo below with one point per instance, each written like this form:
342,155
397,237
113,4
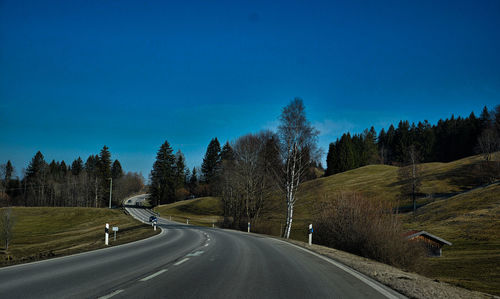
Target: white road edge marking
111,295
153,275
353,272
206,245
181,261
197,253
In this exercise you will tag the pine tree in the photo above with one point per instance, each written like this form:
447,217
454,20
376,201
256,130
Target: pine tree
163,176
330,159
497,120
382,146
370,155
63,168
92,170
105,172
36,175
210,161
77,166
227,152
116,170
346,153
391,144
180,169
9,170
193,181
402,140
485,119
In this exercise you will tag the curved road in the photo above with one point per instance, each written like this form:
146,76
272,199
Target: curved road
186,261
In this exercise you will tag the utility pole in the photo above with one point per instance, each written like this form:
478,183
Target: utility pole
110,190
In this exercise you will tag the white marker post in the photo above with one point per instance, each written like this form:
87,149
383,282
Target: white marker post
106,234
115,229
154,225
248,227
310,234
187,220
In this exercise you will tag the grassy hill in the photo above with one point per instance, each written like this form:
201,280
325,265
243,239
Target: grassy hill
45,232
451,206
203,211
471,221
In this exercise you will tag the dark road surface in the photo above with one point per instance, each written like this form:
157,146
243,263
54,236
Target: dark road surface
190,262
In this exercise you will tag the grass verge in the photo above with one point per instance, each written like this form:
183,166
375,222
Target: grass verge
43,232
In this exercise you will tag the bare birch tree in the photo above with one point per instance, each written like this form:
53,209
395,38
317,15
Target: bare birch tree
298,140
410,175
488,143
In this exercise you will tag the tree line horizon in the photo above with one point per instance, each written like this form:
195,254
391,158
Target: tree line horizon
79,184
447,140
246,172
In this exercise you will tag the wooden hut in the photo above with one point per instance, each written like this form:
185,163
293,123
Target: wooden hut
432,243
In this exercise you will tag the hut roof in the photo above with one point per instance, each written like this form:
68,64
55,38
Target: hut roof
415,233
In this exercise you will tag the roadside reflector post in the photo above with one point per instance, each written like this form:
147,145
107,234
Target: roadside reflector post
115,229
170,217
187,220
248,230
310,233
106,234
154,225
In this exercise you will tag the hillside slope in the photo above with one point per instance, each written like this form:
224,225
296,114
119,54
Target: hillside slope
471,221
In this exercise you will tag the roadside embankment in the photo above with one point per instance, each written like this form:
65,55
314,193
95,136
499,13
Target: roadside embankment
45,232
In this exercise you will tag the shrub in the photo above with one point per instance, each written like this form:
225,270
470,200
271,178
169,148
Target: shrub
367,228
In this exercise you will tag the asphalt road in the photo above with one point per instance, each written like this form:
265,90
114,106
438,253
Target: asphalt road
190,262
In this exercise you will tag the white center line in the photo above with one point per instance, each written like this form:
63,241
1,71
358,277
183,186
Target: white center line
111,295
153,275
181,261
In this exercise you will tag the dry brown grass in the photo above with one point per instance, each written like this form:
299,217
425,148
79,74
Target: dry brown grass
367,228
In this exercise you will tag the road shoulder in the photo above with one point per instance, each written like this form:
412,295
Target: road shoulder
409,284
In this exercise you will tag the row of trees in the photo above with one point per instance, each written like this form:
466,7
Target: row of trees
79,184
244,177
246,172
448,140
249,171
170,179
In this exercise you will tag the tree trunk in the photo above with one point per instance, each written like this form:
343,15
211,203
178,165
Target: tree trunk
96,192
289,221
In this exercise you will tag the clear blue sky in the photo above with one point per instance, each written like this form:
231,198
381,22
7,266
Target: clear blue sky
76,75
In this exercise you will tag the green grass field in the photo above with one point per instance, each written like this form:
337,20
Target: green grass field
470,220
44,232
203,211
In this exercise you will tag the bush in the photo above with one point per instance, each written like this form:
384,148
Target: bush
367,228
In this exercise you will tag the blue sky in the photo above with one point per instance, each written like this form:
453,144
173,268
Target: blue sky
77,75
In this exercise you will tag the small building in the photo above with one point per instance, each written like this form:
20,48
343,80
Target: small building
433,243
